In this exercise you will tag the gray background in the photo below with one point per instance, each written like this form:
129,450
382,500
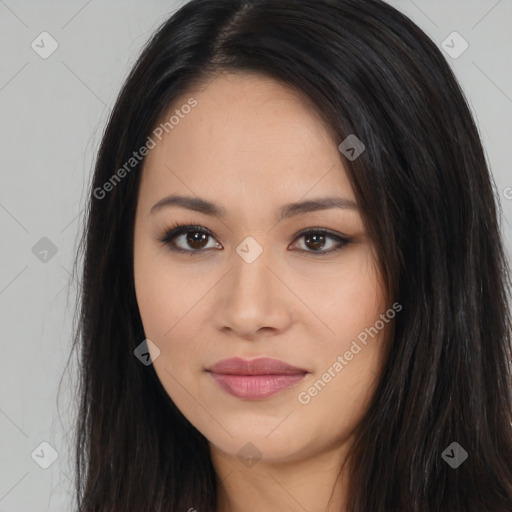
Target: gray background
53,112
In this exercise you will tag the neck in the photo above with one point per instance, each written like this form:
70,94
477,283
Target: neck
315,484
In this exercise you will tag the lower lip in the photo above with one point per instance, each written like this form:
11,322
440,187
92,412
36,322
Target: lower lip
256,386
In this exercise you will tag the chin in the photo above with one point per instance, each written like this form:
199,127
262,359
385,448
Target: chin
251,444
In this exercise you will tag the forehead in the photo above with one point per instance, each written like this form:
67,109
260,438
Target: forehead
248,135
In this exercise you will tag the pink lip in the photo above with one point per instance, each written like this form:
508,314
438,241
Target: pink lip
257,378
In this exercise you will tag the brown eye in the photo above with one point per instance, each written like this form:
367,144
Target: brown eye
188,238
197,240
315,242
319,242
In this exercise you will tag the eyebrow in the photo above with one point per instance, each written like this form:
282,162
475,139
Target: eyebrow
288,210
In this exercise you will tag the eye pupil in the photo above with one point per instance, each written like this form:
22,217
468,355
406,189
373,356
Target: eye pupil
195,239
317,241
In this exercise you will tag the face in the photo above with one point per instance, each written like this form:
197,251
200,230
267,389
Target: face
243,280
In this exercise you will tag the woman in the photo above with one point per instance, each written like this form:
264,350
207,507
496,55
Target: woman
294,287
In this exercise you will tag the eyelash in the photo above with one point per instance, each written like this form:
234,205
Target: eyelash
178,229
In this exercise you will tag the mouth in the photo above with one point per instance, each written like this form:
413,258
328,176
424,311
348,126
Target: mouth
257,378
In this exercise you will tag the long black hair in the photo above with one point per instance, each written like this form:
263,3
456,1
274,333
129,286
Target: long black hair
427,200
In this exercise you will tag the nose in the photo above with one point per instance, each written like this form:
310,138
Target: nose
252,301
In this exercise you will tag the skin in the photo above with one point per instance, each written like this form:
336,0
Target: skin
252,145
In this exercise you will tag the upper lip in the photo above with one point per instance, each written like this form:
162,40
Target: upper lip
260,366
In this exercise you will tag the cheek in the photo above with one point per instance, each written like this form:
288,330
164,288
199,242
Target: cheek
169,301
164,294
155,298
351,356
347,296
